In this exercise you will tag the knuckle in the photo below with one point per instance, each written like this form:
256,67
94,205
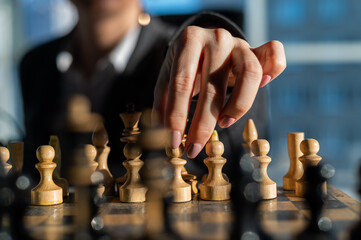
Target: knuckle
222,35
190,34
182,83
253,68
241,109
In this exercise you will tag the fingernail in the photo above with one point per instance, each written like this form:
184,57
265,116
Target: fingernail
265,80
225,121
176,139
193,150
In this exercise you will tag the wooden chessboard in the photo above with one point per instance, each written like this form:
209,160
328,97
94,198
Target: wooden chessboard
282,218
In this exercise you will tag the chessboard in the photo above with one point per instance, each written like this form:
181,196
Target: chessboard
282,218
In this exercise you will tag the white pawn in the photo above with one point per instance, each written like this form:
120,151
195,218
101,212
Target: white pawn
46,192
268,188
133,190
4,166
182,191
215,187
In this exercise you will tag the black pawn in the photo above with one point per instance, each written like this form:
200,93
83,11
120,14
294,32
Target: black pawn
355,233
245,198
316,199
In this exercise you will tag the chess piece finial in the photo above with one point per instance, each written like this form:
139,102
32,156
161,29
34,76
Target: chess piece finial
100,140
46,192
295,171
268,188
4,166
182,191
17,156
215,187
309,148
58,180
249,135
133,190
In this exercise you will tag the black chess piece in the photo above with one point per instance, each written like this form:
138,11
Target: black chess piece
14,200
246,197
316,199
355,232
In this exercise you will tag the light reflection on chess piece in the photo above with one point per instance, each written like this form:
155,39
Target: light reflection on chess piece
309,148
268,188
46,192
215,187
181,190
295,171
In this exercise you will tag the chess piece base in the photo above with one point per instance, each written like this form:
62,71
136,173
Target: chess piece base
289,184
49,197
268,191
132,194
182,194
215,193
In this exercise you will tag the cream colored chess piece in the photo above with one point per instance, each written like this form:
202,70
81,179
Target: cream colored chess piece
133,190
215,187
130,134
182,191
61,182
249,135
309,148
47,192
268,188
4,166
17,156
100,141
294,152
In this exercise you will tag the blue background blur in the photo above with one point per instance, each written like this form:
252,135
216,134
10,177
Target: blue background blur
319,92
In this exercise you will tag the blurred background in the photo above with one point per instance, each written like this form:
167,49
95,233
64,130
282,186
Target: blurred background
319,92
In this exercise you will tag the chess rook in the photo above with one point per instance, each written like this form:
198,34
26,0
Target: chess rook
215,187
295,171
309,148
268,188
4,166
249,135
181,190
100,140
46,192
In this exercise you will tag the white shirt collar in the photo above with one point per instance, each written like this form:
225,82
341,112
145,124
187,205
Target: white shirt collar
119,56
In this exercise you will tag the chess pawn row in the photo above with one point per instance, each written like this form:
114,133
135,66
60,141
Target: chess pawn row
215,187
46,192
309,148
4,158
268,188
182,191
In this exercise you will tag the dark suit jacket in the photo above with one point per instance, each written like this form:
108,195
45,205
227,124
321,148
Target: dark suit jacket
41,85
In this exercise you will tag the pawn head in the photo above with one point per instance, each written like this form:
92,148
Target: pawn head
90,152
309,146
45,153
260,147
4,154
